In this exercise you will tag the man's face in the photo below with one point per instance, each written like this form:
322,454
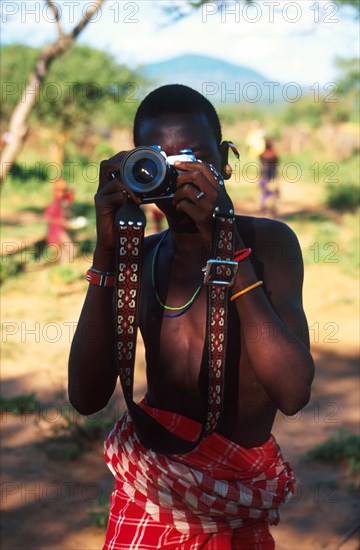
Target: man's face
176,132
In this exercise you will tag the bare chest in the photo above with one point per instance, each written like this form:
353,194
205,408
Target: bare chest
173,325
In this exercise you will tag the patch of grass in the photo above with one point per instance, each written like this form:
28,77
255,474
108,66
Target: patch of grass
76,434
25,232
350,245
344,197
342,447
99,513
20,404
325,241
323,238
10,267
302,217
64,274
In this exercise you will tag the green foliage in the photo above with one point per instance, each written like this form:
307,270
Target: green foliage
315,111
343,197
94,95
322,108
10,267
23,173
20,404
353,3
85,91
233,114
103,150
99,513
84,87
349,87
76,434
349,77
341,447
16,64
350,253
64,274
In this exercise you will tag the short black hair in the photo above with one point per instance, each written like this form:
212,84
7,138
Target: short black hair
176,99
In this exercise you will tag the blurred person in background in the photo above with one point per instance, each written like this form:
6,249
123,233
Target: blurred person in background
255,139
59,215
269,190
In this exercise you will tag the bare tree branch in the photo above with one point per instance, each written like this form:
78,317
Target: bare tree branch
55,11
86,18
18,129
179,9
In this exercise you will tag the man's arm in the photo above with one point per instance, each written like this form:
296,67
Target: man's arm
281,360
92,362
92,367
275,329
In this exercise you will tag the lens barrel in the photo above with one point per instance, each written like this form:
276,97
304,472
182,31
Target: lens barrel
148,172
145,171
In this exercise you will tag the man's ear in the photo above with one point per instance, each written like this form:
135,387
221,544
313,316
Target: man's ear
226,169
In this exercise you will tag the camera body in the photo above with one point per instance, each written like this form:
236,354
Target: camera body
150,173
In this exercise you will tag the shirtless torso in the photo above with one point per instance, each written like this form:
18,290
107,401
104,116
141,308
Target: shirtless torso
174,345
269,365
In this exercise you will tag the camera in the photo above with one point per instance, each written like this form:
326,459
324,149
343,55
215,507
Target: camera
150,173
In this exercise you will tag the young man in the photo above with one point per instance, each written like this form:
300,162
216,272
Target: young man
223,493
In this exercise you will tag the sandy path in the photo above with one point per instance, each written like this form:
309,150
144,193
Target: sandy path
45,502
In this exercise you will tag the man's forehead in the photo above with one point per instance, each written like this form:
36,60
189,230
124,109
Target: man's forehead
177,130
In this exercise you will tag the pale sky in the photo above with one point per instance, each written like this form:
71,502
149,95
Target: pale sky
286,41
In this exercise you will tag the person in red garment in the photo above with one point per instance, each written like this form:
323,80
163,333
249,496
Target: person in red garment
223,493
59,213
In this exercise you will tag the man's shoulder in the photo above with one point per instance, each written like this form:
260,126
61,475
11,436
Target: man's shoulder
273,242
264,229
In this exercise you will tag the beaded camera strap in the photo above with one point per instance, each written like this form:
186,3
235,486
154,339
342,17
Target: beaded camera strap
219,275
128,285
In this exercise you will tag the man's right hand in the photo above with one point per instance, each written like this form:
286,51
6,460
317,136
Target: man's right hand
111,195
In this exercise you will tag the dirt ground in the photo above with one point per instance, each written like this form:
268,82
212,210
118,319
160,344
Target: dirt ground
45,501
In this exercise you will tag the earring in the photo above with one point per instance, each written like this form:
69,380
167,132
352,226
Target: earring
227,171
224,149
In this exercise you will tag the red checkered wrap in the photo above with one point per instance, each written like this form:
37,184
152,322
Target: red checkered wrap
217,492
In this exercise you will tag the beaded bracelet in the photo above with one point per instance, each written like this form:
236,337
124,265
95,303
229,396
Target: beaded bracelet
245,290
240,255
100,278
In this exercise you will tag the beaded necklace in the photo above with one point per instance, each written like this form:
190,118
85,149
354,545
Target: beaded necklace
181,309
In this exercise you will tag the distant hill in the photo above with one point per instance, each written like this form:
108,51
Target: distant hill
220,81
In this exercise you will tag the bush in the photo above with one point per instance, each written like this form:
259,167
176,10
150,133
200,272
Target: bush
343,197
341,447
99,513
77,434
20,404
9,267
24,173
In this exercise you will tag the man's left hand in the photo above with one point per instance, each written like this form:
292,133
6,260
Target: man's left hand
197,189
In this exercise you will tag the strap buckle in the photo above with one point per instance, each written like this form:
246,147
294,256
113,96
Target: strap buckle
220,272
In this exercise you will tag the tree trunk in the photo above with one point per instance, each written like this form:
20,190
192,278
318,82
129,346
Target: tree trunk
18,128
58,149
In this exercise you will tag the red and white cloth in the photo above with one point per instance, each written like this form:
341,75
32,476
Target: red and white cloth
218,496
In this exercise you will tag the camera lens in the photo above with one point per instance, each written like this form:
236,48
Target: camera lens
145,170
